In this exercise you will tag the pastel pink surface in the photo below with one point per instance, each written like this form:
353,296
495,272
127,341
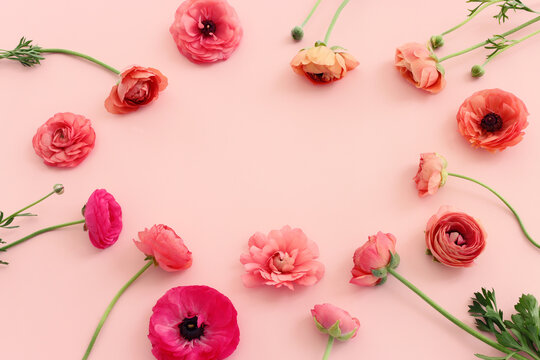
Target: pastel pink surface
246,145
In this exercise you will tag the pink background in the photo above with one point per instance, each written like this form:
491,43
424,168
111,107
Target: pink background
246,145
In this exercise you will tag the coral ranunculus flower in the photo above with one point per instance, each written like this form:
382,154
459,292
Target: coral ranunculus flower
282,258
431,174
206,31
454,238
492,119
415,64
193,323
103,219
335,321
375,254
322,65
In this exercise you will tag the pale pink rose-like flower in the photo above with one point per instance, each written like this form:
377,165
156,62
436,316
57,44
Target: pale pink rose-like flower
284,257
492,119
431,174
322,65
103,219
454,238
65,140
206,31
335,321
415,64
373,255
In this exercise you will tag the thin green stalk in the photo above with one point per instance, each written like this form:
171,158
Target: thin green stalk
505,203
34,234
509,46
328,347
334,19
111,305
311,13
452,318
71,52
471,16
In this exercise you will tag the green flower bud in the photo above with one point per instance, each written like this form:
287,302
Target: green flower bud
478,71
297,33
437,41
58,188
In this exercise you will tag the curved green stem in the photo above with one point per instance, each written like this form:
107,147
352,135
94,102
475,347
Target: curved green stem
311,13
471,16
491,57
58,188
334,19
34,234
111,305
505,203
328,347
75,53
452,318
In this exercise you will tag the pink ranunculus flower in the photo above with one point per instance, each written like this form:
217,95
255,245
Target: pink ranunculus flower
373,255
282,258
167,248
335,321
416,64
103,219
193,323
454,238
65,140
492,119
206,31
431,173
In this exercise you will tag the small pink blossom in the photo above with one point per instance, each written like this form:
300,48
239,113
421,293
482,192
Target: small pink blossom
416,65
103,219
335,321
431,174
373,255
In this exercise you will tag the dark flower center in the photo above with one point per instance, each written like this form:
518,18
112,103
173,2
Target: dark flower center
456,238
208,28
189,329
491,122
319,77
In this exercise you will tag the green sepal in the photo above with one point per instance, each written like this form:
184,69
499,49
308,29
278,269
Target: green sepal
348,335
383,280
334,330
440,68
337,48
394,260
320,43
380,273
428,252
150,257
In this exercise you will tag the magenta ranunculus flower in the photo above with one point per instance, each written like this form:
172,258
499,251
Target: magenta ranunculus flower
431,173
206,31
282,258
103,219
376,254
335,321
193,323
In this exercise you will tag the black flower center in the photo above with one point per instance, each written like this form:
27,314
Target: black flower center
491,122
189,329
208,28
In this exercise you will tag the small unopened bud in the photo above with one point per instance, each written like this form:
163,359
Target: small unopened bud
437,41
58,188
477,71
297,33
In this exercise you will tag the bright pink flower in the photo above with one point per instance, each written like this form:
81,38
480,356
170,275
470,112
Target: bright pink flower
373,255
193,323
282,258
103,219
415,64
492,119
167,248
431,174
454,238
206,30
335,321
65,140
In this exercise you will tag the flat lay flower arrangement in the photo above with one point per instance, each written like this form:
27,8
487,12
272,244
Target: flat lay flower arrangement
211,179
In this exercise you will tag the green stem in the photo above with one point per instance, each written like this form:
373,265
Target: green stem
452,318
34,234
470,17
509,32
27,207
509,46
71,52
111,305
328,347
505,203
311,13
334,19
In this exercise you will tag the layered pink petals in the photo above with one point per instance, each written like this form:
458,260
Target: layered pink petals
282,258
373,255
431,174
454,238
103,219
193,323
327,315
492,119
321,64
206,31
65,140
138,86
415,64
167,248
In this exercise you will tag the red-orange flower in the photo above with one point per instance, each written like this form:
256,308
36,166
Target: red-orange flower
415,64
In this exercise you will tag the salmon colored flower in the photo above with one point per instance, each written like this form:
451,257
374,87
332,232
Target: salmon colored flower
454,238
282,258
206,31
138,86
322,65
375,255
492,119
103,219
415,63
431,174
335,321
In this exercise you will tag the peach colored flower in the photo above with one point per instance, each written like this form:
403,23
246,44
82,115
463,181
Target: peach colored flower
138,86
167,248
415,64
492,119
335,321
322,65
454,238
206,31
431,174
65,140
103,219
282,258
373,255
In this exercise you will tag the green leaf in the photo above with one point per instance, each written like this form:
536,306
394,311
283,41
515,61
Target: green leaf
485,357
